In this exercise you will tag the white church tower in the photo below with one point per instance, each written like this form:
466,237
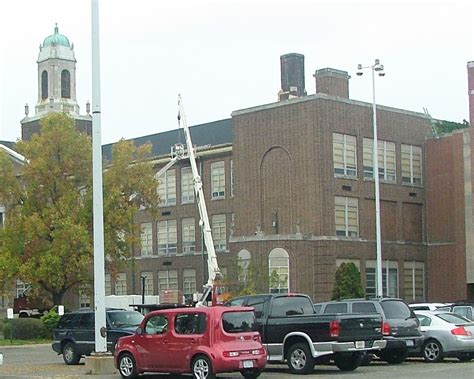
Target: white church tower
56,76
56,86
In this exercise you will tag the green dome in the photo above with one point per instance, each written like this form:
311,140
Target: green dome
56,39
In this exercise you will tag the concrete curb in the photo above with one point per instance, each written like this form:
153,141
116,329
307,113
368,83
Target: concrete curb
25,346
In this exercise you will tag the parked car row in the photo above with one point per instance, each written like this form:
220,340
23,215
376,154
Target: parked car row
252,331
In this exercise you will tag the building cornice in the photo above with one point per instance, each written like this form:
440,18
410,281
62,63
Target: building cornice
323,96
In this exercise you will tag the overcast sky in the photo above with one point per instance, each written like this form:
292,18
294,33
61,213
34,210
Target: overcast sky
224,55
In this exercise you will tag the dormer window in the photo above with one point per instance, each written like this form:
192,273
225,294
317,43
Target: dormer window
65,84
44,85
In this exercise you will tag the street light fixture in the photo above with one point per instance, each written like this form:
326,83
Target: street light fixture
376,67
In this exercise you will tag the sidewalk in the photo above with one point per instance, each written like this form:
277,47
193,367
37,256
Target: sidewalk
40,362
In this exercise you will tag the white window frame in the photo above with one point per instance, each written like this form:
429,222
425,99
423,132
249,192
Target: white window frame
189,283
167,237
279,261
148,275
389,269
146,239
343,142
218,180
20,288
187,185
385,150
410,268
85,300
231,178
167,280
188,235
243,260
121,284
108,285
412,151
219,229
348,204
167,188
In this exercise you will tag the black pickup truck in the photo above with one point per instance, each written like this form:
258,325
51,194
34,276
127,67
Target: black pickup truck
292,331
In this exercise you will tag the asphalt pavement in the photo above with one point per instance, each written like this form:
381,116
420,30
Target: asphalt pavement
40,362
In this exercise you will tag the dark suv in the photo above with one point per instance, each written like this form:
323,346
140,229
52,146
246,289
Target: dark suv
74,335
401,328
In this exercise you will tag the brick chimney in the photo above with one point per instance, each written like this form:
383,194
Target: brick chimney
292,76
332,82
470,85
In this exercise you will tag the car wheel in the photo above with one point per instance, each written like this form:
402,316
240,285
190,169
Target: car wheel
465,357
393,356
127,366
251,373
70,356
299,359
347,362
202,368
366,359
432,351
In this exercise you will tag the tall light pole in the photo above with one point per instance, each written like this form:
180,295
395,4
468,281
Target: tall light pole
376,67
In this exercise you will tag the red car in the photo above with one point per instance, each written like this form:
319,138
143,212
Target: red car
202,341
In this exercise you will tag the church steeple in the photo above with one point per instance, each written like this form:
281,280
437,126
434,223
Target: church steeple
56,76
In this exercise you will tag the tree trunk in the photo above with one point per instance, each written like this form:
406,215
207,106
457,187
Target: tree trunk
58,298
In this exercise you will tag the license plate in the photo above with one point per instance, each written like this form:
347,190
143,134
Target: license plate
248,364
410,343
360,344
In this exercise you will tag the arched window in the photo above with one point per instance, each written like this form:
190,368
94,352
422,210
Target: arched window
244,262
44,84
65,84
279,269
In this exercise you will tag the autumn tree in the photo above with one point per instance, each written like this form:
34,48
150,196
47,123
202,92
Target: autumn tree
348,283
47,238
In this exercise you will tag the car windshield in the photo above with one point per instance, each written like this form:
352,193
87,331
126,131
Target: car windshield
453,318
238,322
395,309
125,318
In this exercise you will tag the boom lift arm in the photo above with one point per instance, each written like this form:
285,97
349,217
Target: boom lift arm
214,272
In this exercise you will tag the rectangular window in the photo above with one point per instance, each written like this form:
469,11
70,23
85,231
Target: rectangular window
411,164
108,285
146,239
414,281
167,280
386,160
389,278
344,154
167,237
189,283
167,188
121,284
188,235
231,178
84,297
347,216
218,180
148,282
187,186
219,232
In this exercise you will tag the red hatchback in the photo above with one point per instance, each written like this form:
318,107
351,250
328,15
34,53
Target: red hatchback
201,341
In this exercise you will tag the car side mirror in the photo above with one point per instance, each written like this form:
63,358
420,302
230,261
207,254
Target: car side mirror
139,330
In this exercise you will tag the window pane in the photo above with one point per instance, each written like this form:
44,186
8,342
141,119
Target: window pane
219,231
167,237
146,239
218,180
188,236
187,187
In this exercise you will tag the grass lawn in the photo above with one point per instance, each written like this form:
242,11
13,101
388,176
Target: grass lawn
6,342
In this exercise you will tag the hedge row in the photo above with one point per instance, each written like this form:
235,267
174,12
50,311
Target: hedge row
24,329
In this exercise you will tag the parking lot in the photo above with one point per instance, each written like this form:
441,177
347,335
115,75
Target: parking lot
40,362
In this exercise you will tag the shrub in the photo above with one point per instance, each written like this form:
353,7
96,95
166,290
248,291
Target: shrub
23,328
348,282
50,321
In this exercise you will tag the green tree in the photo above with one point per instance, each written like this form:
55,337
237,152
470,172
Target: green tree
47,238
348,284
443,127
